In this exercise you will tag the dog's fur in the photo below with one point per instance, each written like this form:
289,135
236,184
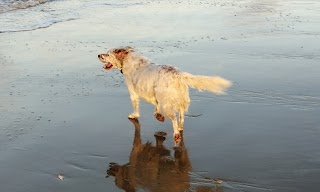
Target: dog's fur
166,87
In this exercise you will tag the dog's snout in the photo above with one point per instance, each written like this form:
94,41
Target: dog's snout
101,56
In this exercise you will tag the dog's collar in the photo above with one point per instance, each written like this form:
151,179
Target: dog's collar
121,69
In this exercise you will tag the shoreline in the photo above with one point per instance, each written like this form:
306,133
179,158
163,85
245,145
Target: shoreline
62,114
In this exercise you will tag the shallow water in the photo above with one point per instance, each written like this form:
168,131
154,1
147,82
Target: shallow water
61,114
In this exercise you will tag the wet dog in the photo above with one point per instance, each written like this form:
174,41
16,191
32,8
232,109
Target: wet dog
166,87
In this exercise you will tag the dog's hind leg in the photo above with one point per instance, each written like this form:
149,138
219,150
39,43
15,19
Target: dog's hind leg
181,119
158,115
176,132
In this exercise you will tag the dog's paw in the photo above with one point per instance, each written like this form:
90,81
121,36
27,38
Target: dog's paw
135,121
133,116
177,138
159,117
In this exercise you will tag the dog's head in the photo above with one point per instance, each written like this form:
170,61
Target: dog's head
114,58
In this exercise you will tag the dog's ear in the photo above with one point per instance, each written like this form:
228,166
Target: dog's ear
129,49
121,53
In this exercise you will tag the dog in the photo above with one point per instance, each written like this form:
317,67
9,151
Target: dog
166,87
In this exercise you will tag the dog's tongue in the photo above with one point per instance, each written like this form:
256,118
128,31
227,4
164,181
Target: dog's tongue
107,66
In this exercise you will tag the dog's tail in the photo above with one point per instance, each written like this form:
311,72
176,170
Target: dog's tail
216,84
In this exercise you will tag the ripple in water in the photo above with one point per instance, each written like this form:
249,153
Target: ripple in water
9,5
36,17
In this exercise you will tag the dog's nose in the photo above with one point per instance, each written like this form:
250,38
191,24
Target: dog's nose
99,56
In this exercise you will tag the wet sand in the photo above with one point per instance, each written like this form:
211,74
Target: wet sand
62,114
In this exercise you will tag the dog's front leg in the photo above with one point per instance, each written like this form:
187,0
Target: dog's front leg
134,100
135,104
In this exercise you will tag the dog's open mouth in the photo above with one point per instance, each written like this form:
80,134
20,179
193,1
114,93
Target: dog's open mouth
107,66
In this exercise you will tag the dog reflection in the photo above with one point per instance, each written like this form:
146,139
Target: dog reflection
151,167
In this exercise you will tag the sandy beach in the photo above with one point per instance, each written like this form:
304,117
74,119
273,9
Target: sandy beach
64,125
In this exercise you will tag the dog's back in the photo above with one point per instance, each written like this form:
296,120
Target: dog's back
167,86
164,86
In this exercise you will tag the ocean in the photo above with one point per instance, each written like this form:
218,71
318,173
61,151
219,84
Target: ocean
16,16
63,118
9,5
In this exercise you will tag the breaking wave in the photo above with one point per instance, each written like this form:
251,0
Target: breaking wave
9,5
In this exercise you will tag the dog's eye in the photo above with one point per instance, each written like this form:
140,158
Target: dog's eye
107,55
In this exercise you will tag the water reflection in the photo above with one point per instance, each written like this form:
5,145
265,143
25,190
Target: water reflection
152,168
